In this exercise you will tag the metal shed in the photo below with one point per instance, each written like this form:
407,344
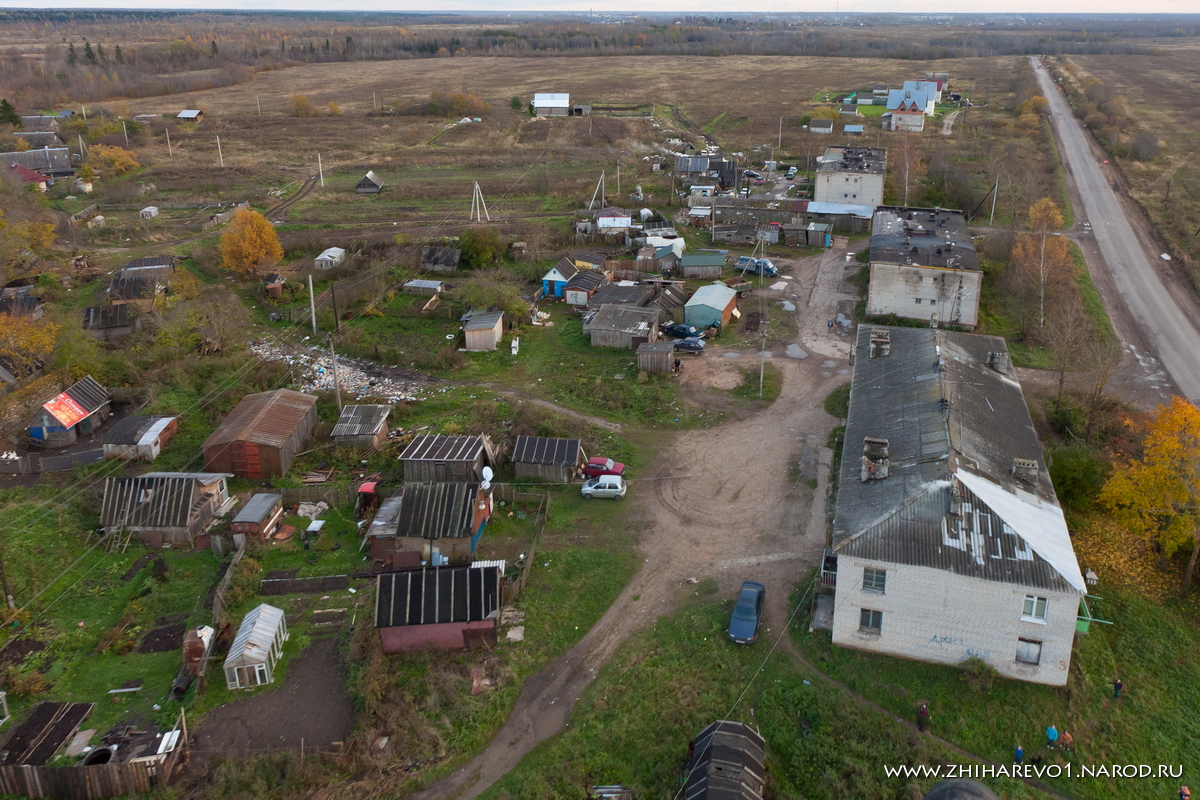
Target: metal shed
484,331
362,426
78,411
557,460
111,322
330,258
257,648
623,326
441,521
149,212
135,438
447,607
262,435
654,358
702,265
426,288
260,516
370,184
437,457
711,305
625,293
582,286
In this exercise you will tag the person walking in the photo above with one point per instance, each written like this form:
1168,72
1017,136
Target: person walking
1185,793
678,365
1066,740
1117,687
1051,737
1019,755
922,716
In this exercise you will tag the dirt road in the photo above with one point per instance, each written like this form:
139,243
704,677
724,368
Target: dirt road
732,502
1165,316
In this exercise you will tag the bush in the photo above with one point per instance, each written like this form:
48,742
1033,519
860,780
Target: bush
1078,472
837,404
1065,419
979,675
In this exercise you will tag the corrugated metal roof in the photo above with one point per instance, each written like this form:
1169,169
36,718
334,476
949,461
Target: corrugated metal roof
384,523
258,508
133,287
590,257
418,284
440,447
131,430
439,256
437,510
551,99
149,261
625,319
586,280
726,764
20,306
372,179
104,317
713,295
613,294
702,260
672,296
89,394
824,207
150,502
266,418
37,139
483,322
361,420
45,160
691,164
255,637
540,450
437,595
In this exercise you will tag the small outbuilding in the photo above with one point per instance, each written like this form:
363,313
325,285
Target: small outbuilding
586,259
821,126
149,212
484,331
362,426
438,457
440,259
654,358
441,521
111,322
624,327
139,438
725,763
554,460
424,288
554,282
190,115
438,608
78,411
256,649
818,234
28,177
165,508
713,304
370,184
585,283
552,104
262,435
622,293
702,265
260,517
330,258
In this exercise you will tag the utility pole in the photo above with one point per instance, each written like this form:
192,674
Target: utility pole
258,100
374,106
995,192
337,386
320,170
8,595
781,133
125,130
169,153
312,305
220,155
337,322
618,179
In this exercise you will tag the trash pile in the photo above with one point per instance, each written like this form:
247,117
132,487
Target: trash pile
359,378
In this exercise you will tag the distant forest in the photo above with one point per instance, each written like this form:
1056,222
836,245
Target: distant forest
83,56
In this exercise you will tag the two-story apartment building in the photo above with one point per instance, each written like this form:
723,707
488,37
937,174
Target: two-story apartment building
851,175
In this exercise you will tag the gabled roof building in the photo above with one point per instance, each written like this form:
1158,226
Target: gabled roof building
262,434
170,508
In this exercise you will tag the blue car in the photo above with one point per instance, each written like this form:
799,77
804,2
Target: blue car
681,331
690,345
743,625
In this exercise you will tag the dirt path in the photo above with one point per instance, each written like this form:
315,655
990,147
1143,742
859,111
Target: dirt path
520,397
948,123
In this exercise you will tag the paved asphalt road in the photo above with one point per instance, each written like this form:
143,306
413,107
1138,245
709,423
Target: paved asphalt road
1168,328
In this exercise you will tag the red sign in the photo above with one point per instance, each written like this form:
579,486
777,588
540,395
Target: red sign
66,410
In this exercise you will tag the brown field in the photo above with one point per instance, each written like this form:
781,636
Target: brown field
1161,92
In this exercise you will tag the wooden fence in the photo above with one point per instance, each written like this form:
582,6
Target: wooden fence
218,607
333,495
514,586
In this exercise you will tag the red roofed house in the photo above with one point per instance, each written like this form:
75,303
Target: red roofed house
28,176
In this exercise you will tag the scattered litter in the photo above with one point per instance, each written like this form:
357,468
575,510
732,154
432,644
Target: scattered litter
318,476
788,305
359,378
312,510
778,286
516,634
1165,257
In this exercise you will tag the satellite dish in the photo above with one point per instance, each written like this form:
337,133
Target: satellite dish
488,474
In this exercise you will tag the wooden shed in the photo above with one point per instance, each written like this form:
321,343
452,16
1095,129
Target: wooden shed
170,508
362,426
702,265
256,649
580,288
444,608
623,327
554,282
484,331
654,358
260,517
441,521
78,411
262,435
725,762
555,460
370,184
139,438
437,457
439,259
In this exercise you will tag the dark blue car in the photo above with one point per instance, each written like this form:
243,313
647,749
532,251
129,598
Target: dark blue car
681,331
743,625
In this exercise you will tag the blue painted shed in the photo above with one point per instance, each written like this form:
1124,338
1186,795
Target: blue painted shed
554,282
710,305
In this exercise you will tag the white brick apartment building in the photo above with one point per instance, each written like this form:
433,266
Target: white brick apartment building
948,540
852,176
924,266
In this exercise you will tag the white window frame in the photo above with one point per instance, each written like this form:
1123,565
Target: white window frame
1029,610
879,577
1029,644
865,627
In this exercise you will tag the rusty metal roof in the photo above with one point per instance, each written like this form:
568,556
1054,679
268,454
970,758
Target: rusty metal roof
266,418
438,447
437,510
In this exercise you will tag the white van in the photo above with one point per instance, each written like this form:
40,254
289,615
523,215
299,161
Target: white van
604,486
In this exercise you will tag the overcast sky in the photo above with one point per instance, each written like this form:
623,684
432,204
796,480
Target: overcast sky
652,6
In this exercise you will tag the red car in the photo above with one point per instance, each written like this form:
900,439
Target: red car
600,465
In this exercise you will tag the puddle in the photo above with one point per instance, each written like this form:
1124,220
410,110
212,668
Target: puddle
788,305
778,286
730,354
796,351
828,363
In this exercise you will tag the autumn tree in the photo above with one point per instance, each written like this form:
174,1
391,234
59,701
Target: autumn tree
480,247
250,243
910,166
334,109
1069,336
1041,256
26,345
302,106
1158,494
110,160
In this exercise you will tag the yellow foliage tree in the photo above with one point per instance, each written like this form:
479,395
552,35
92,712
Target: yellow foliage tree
110,161
1041,256
1158,495
334,109
24,344
250,243
302,106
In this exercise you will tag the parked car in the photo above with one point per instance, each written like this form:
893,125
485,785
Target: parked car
757,266
743,625
604,486
599,465
690,345
681,331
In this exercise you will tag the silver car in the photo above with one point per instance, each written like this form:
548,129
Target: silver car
604,486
